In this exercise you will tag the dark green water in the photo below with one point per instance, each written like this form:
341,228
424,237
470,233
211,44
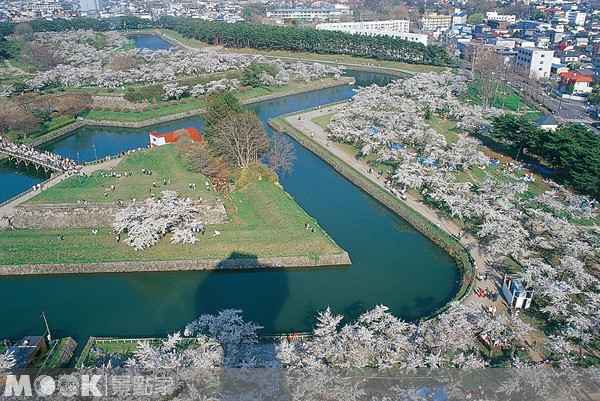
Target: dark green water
392,263
151,42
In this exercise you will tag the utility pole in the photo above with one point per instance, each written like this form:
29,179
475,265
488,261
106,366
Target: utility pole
47,327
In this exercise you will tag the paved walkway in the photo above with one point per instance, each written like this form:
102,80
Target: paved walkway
484,261
9,208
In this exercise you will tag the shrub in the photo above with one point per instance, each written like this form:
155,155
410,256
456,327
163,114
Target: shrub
182,101
126,109
110,90
174,102
165,104
146,108
130,89
97,108
136,110
155,106
106,108
116,108
192,99
54,114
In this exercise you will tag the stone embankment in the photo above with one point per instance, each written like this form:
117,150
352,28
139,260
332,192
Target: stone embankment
449,244
176,265
139,124
96,215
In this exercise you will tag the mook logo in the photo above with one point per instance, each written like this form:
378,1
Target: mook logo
43,386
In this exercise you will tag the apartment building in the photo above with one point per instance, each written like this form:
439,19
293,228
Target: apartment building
397,25
433,22
538,62
324,14
493,15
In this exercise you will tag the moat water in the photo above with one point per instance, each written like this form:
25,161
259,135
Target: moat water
393,264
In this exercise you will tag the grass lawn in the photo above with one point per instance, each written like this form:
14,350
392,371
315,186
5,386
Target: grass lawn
445,127
53,355
170,109
512,102
267,222
179,37
164,163
323,121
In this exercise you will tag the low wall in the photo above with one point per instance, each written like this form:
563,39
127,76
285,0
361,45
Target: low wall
97,215
175,265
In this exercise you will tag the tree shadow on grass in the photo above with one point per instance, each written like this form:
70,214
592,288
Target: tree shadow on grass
241,282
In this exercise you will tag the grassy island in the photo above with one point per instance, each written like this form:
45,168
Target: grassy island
265,221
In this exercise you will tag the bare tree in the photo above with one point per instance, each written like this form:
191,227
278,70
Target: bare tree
39,56
241,139
123,62
282,154
47,104
74,103
195,155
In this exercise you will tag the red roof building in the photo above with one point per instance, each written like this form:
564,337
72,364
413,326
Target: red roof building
580,83
171,137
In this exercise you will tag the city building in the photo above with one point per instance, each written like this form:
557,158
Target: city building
89,5
538,62
493,15
433,22
574,83
393,28
324,14
398,25
459,18
576,18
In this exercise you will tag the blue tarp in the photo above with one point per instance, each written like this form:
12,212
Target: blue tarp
397,146
427,161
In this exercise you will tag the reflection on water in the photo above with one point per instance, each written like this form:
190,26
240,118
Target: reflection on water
392,263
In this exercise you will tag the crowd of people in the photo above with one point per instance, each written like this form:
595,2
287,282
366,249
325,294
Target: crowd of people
44,158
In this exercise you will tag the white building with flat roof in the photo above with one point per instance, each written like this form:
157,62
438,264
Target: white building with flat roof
395,25
433,22
393,28
325,14
538,62
576,18
499,17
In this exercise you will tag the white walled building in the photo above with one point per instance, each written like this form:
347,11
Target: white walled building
433,22
89,5
393,28
397,25
537,61
499,17
576,18
329,13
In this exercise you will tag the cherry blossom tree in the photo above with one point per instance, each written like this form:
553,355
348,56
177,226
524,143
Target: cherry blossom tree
146,224
229,329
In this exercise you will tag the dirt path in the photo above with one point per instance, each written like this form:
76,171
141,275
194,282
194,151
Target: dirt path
9,208
484,261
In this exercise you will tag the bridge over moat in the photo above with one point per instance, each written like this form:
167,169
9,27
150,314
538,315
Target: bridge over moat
27,155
